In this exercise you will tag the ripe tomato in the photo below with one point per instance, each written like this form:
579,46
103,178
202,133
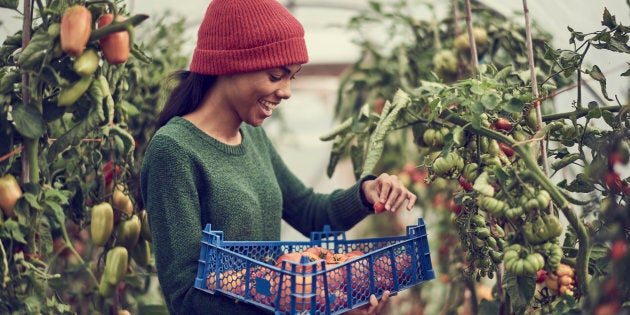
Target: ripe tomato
303,292
319,252
618,249
76,28
509,152
10,192
360,275
233,281
354,254
379,207
613,182
337,300
503,124
296,257
541,276
468,186
291,256
108,173
115,47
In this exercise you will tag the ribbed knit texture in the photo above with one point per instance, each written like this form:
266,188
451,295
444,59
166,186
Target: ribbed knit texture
238,36
189,179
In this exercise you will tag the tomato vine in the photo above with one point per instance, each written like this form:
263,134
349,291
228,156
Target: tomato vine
485,134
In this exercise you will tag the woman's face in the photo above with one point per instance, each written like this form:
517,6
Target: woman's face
253,96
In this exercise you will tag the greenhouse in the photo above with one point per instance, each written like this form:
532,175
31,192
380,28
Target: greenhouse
394,157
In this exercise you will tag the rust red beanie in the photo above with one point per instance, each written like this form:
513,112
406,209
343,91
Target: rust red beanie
238,36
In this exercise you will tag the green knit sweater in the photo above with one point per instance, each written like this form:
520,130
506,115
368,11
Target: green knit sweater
189,179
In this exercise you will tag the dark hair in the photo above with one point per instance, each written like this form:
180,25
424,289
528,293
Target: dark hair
186,96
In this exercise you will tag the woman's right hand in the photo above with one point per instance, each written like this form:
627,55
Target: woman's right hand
373,308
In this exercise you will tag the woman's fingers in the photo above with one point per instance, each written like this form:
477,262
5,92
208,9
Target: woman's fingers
393,193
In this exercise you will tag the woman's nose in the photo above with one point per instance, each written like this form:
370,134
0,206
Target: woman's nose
284,91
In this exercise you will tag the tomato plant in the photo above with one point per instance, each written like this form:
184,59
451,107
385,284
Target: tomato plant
68,141
537,190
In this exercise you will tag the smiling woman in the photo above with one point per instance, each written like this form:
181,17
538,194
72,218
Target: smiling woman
211,161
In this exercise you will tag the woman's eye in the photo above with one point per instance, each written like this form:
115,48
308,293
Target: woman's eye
274,78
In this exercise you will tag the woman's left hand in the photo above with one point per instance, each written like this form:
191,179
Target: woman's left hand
373,308
389,190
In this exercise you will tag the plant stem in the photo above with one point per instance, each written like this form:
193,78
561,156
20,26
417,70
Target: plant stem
69,246
579,113
118,26
535,94
471,37
26,93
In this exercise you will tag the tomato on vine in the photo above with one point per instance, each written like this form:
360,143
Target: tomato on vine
618,249
503,124
76,28
115,46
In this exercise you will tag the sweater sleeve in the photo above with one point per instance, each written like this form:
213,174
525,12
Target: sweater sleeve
307,211
168,185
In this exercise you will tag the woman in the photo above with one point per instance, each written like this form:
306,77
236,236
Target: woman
210,162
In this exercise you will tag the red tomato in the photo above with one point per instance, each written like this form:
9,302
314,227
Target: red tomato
76,28
503,124
468,186
318,252
379,207
541,276
509,152
115,47
618,249
613,181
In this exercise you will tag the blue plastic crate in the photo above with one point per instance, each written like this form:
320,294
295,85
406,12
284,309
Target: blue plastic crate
247,270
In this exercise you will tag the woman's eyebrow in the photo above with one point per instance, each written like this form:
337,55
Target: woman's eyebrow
288,71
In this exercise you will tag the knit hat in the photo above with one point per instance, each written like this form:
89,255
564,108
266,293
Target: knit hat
238,36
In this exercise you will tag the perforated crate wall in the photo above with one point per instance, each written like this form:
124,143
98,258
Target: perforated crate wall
247,271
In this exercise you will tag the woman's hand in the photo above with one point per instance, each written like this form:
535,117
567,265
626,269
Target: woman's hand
373,308
389,190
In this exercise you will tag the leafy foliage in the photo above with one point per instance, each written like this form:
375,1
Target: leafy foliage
511,179
70,157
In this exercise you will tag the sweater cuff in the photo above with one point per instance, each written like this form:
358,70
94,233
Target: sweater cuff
361,193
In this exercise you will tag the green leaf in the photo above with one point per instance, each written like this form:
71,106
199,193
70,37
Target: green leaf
490,101
515,105
581,184
32,201
476,88
610,119
477,108
28,121
594,111
521,291
608,20
13,227
598,75
376,6
9,4
57,210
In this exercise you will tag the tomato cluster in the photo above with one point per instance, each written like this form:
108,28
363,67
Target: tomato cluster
561,280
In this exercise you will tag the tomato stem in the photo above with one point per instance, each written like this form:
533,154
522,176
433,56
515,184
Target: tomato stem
118,26
74,252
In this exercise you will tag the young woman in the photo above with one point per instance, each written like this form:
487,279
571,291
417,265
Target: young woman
211,162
